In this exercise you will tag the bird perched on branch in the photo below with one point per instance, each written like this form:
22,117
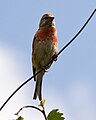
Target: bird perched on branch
44,48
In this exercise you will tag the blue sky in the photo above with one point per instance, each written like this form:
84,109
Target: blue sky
70,84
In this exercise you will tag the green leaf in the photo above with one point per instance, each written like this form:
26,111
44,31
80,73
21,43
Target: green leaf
55,115
20,118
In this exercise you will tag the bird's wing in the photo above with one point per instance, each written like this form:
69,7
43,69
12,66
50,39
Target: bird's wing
34,72
34,69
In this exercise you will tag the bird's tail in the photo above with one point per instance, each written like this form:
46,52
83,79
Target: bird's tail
38,87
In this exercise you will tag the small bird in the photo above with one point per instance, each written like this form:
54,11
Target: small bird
44,48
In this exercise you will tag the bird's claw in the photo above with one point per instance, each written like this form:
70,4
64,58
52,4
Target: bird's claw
45,69
55,57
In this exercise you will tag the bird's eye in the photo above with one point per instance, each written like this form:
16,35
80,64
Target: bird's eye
45,18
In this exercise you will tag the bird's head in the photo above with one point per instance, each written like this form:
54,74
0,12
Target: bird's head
47,21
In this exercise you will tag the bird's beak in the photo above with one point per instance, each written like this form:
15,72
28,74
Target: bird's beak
51,18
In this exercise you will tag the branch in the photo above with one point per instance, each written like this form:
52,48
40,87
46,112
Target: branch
30,106
54,58
78,32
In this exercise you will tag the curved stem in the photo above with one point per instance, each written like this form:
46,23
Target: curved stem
30,106
75,36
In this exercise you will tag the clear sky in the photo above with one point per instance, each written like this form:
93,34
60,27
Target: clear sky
70,84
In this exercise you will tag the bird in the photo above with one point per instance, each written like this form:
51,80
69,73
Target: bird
44,48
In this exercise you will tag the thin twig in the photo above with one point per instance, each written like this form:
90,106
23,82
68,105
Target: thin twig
78,32
30,106
51,59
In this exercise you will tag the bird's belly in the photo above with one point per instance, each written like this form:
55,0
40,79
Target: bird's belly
43,54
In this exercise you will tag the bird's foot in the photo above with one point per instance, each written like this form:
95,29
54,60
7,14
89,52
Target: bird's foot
45,69
55,57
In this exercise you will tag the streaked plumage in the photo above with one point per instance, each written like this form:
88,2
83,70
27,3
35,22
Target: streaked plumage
44,47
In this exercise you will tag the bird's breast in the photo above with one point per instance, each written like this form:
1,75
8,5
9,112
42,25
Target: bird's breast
47,34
